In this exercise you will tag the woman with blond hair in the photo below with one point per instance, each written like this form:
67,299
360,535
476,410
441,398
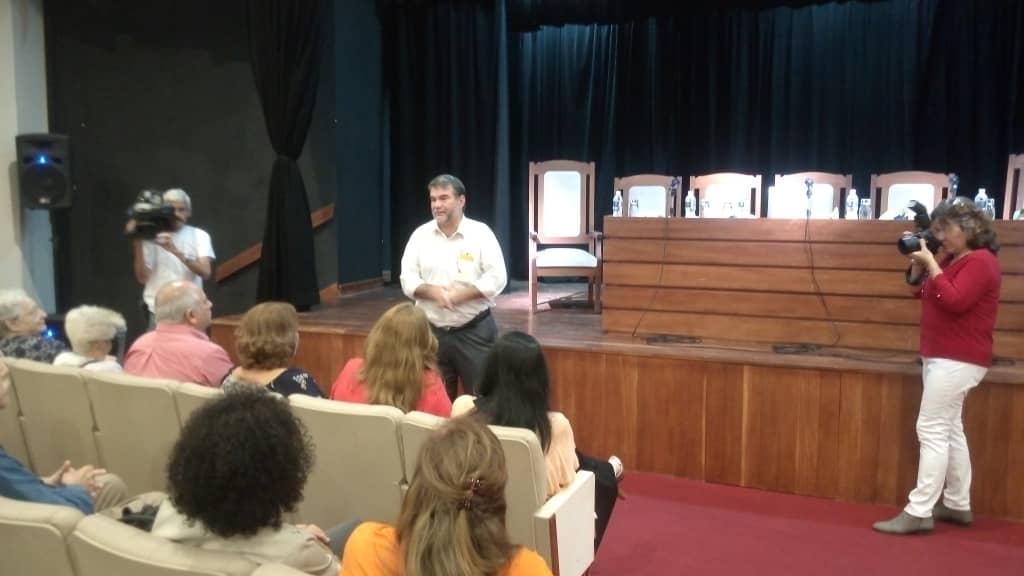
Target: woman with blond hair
266,341
400,368
92,331
453,517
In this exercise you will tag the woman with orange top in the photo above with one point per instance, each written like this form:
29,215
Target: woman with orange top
453,517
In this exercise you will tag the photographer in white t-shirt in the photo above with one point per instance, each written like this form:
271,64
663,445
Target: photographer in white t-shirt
183,254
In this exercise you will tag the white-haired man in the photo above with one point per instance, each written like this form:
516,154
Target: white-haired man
184,254
92,331
178,348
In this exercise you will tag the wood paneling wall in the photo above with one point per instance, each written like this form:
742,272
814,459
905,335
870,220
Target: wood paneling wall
831,433
840,432
825,282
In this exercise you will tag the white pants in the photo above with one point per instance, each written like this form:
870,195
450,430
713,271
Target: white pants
940,430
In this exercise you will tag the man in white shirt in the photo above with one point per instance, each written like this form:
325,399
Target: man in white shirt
453,268
182,255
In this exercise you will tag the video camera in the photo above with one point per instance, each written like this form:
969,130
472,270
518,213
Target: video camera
148,216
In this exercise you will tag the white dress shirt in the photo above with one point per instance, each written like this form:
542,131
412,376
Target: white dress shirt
471,256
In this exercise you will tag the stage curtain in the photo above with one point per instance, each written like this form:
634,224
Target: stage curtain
285,39
446,77
758,87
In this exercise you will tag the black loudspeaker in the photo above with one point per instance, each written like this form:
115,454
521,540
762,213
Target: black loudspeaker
44,170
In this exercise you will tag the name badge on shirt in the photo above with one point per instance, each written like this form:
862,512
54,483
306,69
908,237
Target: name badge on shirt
467,266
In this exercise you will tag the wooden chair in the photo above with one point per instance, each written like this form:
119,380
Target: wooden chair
727,194
1014,199
899,188
658,195
789,197
563,242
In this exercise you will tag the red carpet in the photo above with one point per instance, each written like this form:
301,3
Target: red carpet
673,526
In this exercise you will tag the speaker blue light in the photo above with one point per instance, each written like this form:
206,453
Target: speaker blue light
42,159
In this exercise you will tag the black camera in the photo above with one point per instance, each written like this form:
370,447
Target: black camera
909,243
148,216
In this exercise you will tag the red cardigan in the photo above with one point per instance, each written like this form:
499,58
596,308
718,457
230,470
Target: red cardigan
958,309
348,388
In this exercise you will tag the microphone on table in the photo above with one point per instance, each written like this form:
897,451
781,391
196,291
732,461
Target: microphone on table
810,193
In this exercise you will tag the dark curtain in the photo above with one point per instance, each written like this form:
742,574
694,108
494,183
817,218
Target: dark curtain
759,87
285,38
443,75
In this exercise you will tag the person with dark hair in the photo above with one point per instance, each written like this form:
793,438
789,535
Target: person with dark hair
453,268
514,392
959,292
266,341
238,467
452,520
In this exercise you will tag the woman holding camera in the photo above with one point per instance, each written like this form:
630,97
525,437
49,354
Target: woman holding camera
959,292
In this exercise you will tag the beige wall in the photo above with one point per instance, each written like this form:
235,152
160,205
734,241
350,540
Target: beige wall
26,253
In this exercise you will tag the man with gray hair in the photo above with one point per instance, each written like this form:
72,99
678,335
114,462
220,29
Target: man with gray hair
22,328
184,254
178,348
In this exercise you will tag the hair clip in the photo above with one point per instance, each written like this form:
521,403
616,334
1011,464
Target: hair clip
467,501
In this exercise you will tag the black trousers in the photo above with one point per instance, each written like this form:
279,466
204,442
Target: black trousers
461,353
606,492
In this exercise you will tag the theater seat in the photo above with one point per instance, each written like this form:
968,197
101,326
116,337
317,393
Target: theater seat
188,397
102,546
358,472
136,426
11,436
33,538
56,416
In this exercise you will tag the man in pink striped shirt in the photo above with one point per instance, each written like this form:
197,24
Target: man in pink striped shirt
178,349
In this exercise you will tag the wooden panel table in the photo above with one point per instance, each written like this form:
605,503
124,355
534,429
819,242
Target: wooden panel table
837,422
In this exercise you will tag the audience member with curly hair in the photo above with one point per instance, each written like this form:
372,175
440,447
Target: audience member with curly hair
92,331
266,341
238,467
453,517
400,368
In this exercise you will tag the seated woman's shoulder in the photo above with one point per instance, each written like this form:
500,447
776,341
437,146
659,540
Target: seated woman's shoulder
525,562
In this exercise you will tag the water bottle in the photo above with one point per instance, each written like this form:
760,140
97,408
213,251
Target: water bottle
617,203
851,204
634,207
980,199
690,204
864,213
990,208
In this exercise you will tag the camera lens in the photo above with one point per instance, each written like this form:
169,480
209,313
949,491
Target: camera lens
909,243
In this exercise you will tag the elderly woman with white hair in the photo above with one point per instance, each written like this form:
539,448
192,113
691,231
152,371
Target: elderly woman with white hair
22,323
92,331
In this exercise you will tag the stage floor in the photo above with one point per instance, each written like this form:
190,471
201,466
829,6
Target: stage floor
570,325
